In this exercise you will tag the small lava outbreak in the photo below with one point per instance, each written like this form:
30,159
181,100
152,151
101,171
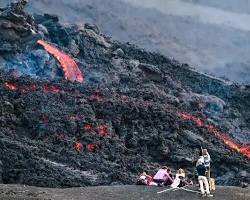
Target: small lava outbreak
102,130
29,87
88,127
77,146
10,85
91,147
134,110
69,66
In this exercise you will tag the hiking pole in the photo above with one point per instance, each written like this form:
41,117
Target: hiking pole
190,190
172,189
169,189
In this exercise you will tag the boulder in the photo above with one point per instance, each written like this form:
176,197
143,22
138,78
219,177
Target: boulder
100,40
151,72
192,138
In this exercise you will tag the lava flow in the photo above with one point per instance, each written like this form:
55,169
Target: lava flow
91,147
77,146
87,127
102,130
69,66
245,150
10,85
27,88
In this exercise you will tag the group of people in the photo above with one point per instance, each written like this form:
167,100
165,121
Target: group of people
165,177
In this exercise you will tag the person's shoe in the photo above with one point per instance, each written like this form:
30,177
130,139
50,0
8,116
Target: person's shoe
160,184
203,195
210,195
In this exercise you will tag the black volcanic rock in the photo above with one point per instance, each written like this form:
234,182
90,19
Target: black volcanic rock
15,26
123,117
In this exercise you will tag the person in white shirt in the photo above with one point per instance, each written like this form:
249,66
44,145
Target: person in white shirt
206,157
207,160
180,179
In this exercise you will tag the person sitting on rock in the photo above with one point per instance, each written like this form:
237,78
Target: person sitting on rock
162,177
146,179
170,177
201,170
180,179
180,175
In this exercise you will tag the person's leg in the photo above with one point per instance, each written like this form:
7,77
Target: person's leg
159,182
176,183
153,184
168,182
201,184
206,185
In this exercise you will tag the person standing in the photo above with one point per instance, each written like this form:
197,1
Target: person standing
201,170
207,160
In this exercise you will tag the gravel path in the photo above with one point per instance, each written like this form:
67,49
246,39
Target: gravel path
14,192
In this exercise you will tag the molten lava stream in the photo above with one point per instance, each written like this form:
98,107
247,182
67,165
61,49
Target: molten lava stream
244,150
102,130
31,87
68,64
91,147
77,146
10,85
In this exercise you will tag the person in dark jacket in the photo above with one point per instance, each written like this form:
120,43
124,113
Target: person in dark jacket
201,170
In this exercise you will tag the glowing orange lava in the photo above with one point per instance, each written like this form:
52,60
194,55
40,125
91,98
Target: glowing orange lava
91,147
51,88
97,95
28,88
87,127
10,86
102,130
77,146
68,64
245,150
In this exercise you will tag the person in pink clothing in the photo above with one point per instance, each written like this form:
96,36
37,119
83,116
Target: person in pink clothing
163,176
